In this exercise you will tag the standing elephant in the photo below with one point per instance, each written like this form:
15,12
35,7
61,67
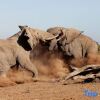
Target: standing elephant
73,42
15,50
26,40
12,53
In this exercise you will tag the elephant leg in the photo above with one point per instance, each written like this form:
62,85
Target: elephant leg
26,63
76,50
4,69
4,80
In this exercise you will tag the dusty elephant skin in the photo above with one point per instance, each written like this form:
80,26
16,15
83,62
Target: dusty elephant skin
11,54
35,36
73,43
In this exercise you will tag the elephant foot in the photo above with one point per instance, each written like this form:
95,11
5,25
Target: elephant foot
35,79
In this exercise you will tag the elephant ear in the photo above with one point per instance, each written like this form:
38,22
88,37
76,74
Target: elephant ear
23,40
81,31
71,34
21,27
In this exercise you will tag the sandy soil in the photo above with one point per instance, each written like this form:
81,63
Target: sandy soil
48,91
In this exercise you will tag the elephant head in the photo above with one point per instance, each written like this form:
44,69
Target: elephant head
68,33
64,36
30,37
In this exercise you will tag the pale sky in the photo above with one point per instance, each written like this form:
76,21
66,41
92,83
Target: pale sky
81,14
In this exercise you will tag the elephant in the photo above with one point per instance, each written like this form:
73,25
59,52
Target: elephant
72,42
27,39
12,53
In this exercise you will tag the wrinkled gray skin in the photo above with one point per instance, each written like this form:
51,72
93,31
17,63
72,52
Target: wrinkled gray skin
72,42
16,49
11,54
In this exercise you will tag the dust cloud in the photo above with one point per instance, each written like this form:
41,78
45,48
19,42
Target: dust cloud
51,65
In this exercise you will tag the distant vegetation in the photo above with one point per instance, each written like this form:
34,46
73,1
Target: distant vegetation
99,47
